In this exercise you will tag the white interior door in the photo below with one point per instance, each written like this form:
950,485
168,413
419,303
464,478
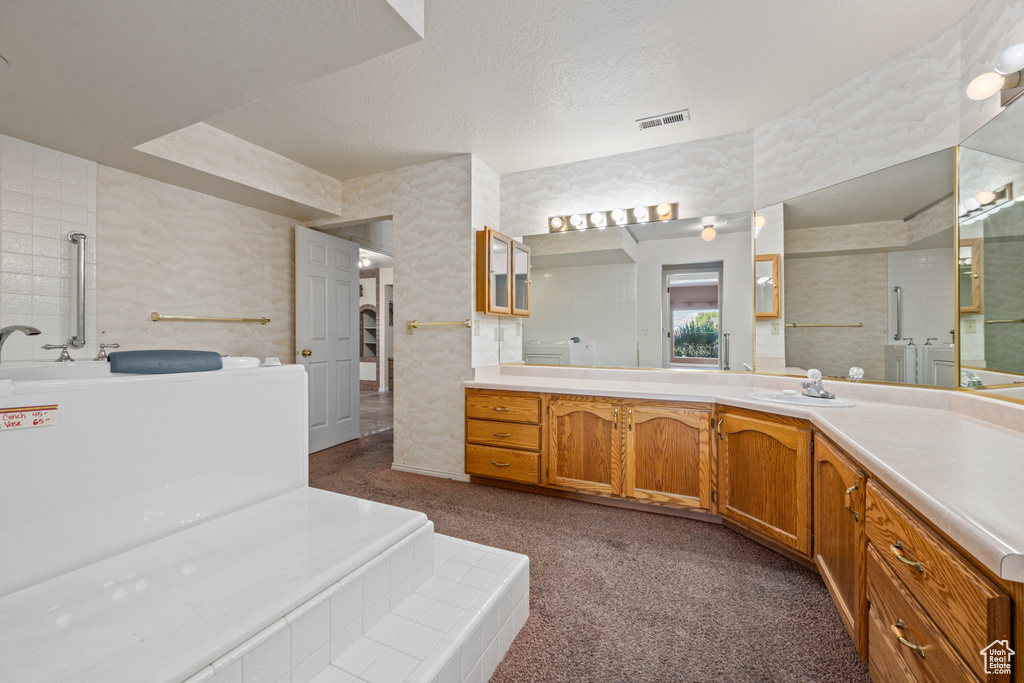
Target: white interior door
327,334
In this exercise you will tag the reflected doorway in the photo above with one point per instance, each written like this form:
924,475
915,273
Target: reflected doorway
692,311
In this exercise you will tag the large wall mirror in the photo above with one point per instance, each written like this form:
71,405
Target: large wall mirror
867,277
663,294
991,256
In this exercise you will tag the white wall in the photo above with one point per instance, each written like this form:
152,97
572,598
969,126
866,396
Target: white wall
735,252
595,303
44,195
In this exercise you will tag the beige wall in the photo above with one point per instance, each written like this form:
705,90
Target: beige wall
176,251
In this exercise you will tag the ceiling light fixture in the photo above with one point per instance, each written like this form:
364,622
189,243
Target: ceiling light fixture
1007,79
985,203
758,221
708,233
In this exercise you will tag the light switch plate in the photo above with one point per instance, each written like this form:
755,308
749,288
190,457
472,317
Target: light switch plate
476,328
643,330
970,326
775,328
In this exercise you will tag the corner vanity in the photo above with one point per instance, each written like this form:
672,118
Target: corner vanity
907,503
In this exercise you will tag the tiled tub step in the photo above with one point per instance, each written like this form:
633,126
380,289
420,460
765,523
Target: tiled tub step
456,627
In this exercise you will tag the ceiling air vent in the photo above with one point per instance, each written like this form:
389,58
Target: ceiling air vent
664,119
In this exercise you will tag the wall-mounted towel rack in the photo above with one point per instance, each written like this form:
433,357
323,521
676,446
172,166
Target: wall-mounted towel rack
411,325
156,317
824,324
1000,322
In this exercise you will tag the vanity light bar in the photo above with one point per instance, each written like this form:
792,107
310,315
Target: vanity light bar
602,219
1002,197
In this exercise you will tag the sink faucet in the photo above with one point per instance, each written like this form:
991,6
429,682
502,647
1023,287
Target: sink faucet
814,388
6,332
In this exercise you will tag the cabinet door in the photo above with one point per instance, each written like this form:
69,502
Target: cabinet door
494,269
520,279
668,455
839,540
765,478
585,445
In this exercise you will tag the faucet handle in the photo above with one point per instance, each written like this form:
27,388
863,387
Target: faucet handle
65,357
102,355
814,375
928,340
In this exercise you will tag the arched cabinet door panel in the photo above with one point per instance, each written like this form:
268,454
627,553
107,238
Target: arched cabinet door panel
764,478
668,455
585,444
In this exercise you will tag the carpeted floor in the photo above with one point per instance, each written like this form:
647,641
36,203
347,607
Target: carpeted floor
622,595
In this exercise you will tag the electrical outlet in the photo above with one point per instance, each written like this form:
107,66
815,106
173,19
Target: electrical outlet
476,328
519,327
497,332
775,328
970,326
643,330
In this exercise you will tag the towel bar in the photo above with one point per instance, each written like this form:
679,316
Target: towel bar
824,324
156,317
411,325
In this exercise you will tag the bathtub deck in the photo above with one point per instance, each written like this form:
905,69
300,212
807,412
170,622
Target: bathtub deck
213,586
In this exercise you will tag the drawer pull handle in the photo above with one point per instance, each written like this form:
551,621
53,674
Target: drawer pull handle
721,437
897,630
630,419
856,515
897,550
502,436
499,464
616,425
500,410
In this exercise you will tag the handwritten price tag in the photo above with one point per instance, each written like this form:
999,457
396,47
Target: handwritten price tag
23,418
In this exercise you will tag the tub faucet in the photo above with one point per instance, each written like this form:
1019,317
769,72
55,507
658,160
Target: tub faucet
65,357
6,332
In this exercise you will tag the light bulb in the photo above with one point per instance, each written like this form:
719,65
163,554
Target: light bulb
576,220
758,221
640,213
985,197
708,233
597,218
664,210
618,215
984,86
1011,59
971,204
557,223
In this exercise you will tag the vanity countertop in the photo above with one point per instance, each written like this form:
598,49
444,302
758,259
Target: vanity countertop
964,474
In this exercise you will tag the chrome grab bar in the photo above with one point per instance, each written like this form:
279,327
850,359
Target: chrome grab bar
78,341
725,350
899,312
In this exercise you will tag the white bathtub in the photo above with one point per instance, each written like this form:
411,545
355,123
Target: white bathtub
132,458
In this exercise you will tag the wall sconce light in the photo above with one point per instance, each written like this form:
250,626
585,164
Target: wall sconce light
708,233
1007,79
601,219
985,203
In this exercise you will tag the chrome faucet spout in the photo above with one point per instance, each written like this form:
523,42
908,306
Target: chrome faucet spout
6,332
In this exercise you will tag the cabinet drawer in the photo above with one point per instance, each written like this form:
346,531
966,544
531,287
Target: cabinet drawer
924,650
503,434
884,663
504,408
971,610
502,463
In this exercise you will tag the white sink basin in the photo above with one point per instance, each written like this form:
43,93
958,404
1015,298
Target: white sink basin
800,400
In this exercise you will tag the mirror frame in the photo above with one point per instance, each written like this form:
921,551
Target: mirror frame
977,284
776,312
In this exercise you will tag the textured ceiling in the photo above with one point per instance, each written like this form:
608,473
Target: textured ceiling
533,83
891,194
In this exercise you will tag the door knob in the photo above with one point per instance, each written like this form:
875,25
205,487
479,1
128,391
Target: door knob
306,353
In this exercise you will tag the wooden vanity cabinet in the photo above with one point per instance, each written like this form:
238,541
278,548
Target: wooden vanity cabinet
585,444
503,435
764,476
839,539
668,455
